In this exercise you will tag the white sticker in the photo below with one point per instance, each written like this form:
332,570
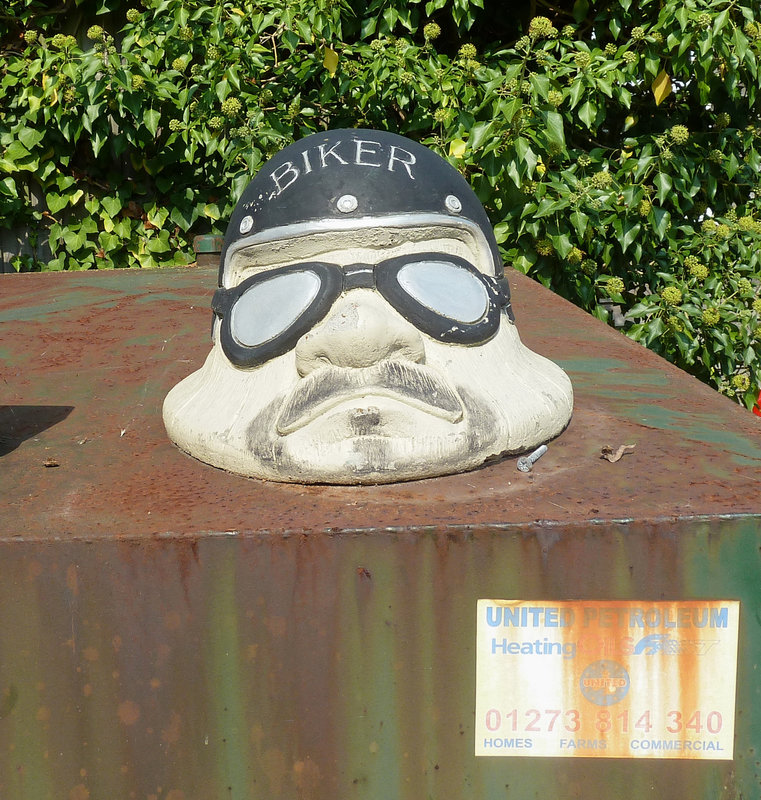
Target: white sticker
606,679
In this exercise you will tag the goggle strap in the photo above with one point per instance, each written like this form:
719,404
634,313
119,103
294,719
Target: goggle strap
503,286
359,276
222,302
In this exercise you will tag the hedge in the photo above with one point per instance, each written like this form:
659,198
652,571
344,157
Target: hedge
614,145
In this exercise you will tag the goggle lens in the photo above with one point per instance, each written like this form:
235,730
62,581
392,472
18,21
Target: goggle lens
267,309
445,289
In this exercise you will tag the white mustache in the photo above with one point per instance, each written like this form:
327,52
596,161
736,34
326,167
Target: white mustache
414,384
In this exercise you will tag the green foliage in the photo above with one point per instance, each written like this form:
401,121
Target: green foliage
616,150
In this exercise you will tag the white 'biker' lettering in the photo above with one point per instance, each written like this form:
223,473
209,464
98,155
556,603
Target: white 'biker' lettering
330,152
278,174
406,164
362,149
364,153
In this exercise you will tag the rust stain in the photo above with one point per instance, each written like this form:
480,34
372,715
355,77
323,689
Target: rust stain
171,734
307,776
172,620
257,736
79,792
277,626
163,652
128,712
35,570
90,654
274,768
72,579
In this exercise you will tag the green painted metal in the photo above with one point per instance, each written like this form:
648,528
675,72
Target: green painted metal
170,632
325,666
208,244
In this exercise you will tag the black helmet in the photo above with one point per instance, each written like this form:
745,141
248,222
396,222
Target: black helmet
348,174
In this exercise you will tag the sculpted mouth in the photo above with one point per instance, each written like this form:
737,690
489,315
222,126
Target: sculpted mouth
406,382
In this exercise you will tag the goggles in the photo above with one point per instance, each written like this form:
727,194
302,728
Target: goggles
443,296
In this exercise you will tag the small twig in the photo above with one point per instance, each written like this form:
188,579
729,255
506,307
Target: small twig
608,453
48,215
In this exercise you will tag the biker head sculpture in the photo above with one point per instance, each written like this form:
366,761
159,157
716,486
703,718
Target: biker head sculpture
363,331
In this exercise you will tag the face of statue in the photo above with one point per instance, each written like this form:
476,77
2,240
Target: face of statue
366,355
363,332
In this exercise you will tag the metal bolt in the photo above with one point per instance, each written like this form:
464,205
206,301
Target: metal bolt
453,204
347,203
526,464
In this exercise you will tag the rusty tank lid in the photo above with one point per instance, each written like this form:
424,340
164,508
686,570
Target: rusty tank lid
87,359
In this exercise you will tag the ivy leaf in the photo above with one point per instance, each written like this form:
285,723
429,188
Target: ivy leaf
55,202
330,60
627,231
577,89
663,183
111,205
526,154
16,151
157,215
654,329
457,148
562,244
211,210
501,232
555,134
478,135
662,221
222,89
720,21
30,137
8,187
369,25
661,87
580,9
579,221
588,113
733,165
151,119
541,84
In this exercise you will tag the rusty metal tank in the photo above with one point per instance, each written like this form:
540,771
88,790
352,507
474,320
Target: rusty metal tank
172,632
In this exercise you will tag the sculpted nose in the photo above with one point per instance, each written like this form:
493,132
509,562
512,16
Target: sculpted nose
360,330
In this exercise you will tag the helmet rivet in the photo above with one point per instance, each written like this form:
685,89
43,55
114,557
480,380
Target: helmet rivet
453,204
246,224
347,203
